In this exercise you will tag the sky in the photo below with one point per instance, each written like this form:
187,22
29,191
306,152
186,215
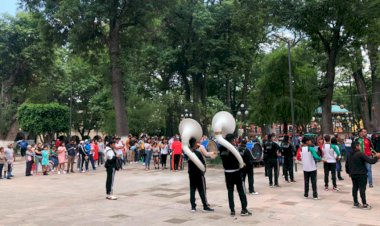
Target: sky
8,6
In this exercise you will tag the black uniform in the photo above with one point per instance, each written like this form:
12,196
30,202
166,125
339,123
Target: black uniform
270,158
355,167
233,176
248,169
287,150
197,181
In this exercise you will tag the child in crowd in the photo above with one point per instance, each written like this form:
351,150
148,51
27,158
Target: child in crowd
45,159
309,156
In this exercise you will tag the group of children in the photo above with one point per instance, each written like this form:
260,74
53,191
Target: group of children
330,155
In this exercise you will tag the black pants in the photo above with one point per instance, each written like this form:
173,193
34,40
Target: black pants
23,151
330,167
248,171
273,166
197,182
288,169
1,171
233,179
177,158
359,182
163,160
109,182
28,169
310,176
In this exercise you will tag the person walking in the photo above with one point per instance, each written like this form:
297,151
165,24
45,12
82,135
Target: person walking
271,150
247,171
330,155
309,156
288,150
357,169
156,155
110,165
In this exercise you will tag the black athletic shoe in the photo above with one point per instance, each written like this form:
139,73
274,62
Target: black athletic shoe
232,213
356,205
245,213
193,210
366,206
208,209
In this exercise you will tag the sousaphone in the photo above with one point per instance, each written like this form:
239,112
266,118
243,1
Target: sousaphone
189,128
224,123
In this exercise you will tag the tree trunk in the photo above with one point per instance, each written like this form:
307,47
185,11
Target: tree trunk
327,126
373,54
362,90
122,128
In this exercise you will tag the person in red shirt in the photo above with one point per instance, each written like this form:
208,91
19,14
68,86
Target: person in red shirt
95,149
177,154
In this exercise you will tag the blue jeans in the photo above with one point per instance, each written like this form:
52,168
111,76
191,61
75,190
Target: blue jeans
147,158
369,174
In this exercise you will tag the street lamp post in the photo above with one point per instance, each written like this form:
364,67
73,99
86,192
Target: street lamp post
291,89
243,113
186,114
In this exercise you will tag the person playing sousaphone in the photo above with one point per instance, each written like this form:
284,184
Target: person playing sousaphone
196,176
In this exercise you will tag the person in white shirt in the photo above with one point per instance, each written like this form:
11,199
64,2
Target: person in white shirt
330,155
111,158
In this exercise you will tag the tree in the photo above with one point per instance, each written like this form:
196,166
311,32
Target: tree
330,25
44,119
92,25
271,99
23,56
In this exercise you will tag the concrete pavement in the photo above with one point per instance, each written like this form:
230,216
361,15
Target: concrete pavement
161,197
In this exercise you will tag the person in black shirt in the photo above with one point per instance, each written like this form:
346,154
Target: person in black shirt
271,150
233,176
248,168
197,178
287,150
356,168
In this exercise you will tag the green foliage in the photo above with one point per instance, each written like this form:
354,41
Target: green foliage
271,99
44,118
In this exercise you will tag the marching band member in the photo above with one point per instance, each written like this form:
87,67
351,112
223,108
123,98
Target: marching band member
233,176
356,168
196,176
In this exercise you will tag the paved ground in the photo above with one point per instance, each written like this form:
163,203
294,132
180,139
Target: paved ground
161,198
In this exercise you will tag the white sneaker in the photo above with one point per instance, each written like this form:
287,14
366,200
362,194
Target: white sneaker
111,197
64,172
254,193
59,172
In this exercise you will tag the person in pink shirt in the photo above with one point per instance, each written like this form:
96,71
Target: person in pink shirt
61,158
